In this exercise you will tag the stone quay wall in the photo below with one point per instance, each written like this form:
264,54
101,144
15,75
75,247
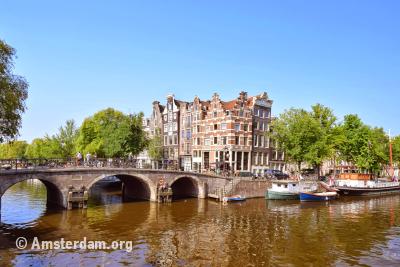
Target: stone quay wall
251,189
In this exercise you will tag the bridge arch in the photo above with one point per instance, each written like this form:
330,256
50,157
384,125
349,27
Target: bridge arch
55,195
134,186
187,186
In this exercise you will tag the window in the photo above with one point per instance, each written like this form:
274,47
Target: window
255,112
255,140
174,116
245,141
215,127
245,127
206,141
224,139
236,140
198,128
165,140
237,127
223,126
215,140
175,126
175,139
165,118
215,114
170,140
165,128
241,113
228,113
198,141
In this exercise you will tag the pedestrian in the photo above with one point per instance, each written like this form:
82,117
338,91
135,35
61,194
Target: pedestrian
78,158
88,158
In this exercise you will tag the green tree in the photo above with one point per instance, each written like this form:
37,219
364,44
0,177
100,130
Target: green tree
110,133
294,131
136,139
66,139
365,147
396,149
44,148
13,93
322,141
155,146
12,150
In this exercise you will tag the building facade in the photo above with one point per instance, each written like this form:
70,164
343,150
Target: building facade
170,131
217,135
261,150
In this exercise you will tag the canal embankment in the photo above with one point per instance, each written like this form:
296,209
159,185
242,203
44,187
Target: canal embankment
251,189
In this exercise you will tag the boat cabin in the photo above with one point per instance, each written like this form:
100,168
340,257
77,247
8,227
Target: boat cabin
292,186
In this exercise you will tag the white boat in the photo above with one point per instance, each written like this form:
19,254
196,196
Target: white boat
289,189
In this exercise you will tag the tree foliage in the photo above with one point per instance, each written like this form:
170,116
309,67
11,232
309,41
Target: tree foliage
66,139
136,139
110,133
44,148
13,150
306,136
60,145
396,149
322,140
13,93
155,148
314,137
365,147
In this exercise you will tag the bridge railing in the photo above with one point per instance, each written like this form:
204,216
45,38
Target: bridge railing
41,163
8,164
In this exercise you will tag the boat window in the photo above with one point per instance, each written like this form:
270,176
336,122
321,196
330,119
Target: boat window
294,184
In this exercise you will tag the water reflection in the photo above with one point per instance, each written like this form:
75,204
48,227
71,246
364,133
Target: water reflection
23,203
203,232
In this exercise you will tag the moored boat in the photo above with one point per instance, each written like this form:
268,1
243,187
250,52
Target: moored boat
288,189
313,196
361,185
234,198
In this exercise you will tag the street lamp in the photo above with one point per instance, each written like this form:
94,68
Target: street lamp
226,155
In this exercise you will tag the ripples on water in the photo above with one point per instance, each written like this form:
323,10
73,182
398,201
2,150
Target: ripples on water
351,231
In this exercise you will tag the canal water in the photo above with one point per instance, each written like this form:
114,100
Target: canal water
191,232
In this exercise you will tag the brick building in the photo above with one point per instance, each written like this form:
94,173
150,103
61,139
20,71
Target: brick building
218,135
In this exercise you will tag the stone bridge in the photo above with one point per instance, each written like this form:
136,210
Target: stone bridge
136,183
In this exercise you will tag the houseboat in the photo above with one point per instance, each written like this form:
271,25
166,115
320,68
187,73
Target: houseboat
356,184
289,189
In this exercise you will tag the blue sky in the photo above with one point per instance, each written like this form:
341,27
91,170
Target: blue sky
83,56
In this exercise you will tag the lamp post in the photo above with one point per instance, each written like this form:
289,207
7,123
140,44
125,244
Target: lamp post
226,150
